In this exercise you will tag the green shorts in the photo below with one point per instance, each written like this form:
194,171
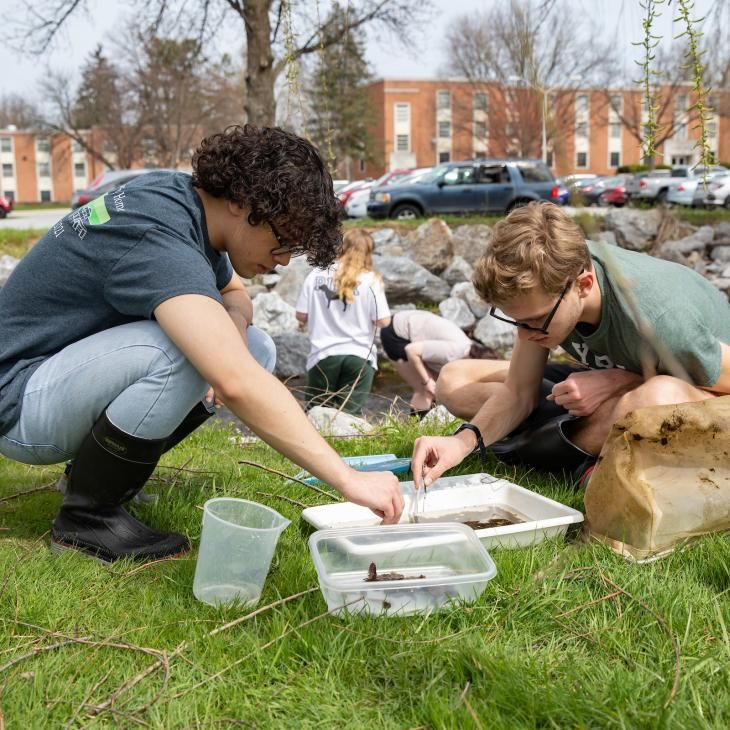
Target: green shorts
338,379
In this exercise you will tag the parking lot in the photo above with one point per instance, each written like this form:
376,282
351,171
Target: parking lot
42,218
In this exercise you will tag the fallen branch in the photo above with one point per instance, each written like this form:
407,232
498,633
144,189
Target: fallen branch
589,603
286,499
463,700
45,488
663,624
291,478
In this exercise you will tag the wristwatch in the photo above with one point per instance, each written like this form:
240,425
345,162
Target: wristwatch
480,447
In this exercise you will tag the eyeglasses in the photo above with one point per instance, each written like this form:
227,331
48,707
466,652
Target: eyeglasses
283,247
523,325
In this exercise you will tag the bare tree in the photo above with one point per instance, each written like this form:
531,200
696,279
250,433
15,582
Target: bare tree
18,110
531,61
277,32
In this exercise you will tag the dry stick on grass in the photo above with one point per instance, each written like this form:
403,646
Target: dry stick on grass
589,603
291,478
261,648
286,499
34,652
45,488
663,624
106,705
467,704
96,686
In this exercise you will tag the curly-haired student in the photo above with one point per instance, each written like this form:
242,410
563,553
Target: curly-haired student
128,320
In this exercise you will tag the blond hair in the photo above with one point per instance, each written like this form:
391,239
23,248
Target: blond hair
356,257
536,245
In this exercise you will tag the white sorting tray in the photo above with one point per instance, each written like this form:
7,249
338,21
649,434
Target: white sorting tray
544,517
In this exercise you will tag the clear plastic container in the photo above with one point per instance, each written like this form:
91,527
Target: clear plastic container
236,546
435,564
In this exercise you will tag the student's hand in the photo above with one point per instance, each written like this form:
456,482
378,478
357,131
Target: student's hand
433,455
379,491
583,392
212,398
430,386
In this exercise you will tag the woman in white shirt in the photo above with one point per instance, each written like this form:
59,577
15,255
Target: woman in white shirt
341,307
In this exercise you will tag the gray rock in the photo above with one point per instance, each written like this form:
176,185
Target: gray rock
466,291
392,249
457,271
430,245
634,229
721,254
7,266
406,281
273,315
384,236
722,233
457,311
608,237
495,334
270,280
329,421
255,289
677,250
292,278
723,284
470,242
292,349
438,416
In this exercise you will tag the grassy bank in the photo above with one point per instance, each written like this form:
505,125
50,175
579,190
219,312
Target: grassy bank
566,635
18,241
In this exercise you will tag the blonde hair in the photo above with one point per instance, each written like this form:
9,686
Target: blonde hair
356,257
536,245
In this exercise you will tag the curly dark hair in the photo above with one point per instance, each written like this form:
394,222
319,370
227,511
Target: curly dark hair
281,178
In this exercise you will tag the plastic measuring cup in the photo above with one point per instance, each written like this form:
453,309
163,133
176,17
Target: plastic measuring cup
236,547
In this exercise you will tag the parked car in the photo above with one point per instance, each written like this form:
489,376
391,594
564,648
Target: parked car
478,186
346,191
718,191
655,186
357,203
602,191
6,206
415,176
692,190
339,184
107,181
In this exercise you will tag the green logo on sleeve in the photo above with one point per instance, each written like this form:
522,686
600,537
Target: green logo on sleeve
98,212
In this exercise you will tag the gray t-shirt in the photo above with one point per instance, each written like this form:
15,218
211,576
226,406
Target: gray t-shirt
109,263
687,314
442,340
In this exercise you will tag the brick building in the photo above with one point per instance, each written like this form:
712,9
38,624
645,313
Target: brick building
424,122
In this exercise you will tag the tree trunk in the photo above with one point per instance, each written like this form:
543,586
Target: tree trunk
260,105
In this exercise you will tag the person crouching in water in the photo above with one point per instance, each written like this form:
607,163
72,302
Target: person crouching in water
341,307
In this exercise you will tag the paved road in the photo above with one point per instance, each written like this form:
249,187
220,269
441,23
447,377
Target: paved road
43,218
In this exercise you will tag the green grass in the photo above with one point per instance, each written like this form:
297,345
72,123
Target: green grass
540,648
17,241
42,206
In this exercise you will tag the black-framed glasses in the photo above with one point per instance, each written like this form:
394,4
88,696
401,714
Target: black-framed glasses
543,329
284,247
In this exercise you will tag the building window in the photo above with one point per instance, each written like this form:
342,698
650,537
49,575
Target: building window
615,131
550,158
10,195
443,100
45,196
361,165
681,131
444,130
444,157
480,101
581,159
402,113
682,103
402,143
7,169
43,144
581,103
616,103
615,159
480,130
6,144
44,169
76,146
711,129
581,129
79,169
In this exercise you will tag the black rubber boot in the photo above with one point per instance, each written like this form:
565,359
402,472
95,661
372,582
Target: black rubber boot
110,468
197,417
545,447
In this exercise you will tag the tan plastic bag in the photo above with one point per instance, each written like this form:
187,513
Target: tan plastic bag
663,477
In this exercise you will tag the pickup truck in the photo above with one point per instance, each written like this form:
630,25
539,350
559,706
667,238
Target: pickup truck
654,186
